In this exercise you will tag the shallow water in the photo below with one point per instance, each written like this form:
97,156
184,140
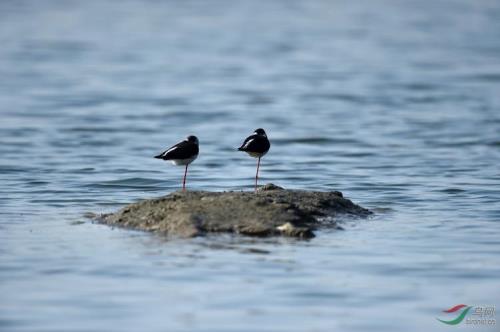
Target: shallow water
395,104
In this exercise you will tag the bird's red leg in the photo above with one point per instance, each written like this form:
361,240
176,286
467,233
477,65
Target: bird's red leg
184,180
257,174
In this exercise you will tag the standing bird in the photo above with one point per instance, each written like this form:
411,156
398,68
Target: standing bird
256,145
183,153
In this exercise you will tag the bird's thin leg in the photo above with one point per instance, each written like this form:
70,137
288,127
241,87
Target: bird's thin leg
184,180
257,174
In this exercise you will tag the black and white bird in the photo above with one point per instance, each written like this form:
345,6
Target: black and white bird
182,153
256,145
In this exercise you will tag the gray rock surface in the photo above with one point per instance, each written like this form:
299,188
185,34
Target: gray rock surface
270,211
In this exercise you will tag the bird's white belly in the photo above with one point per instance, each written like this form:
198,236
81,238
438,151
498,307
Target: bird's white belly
256,154
182,162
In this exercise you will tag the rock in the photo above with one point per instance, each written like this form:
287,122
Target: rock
271,211
269,187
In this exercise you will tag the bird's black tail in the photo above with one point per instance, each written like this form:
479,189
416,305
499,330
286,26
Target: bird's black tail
160,156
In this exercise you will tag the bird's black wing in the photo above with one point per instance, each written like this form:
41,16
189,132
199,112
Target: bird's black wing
255,143
182,150
245,142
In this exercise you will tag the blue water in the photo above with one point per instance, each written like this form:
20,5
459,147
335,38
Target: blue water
396,104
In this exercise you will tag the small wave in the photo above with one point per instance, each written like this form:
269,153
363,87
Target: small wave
315,140
92,129
345,97
494,143
13,169
357,154
416,86
135,182
487,77
452,190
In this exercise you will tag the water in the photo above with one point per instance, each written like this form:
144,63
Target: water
396,104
